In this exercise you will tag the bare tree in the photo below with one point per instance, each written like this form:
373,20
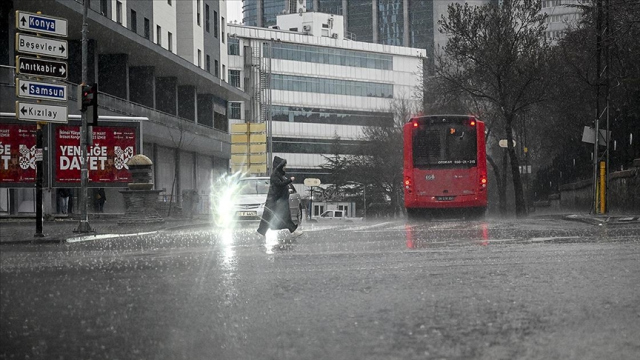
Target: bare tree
180,142
497,55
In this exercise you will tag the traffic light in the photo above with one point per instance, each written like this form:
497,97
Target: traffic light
88,97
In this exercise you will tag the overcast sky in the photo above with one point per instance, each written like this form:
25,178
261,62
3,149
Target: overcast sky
234,10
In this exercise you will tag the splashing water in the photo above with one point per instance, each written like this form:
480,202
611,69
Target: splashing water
224,192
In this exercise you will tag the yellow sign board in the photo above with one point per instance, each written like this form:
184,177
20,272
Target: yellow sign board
242,139
253,169
248,127
253,159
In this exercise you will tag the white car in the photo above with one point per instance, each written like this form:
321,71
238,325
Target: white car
252,195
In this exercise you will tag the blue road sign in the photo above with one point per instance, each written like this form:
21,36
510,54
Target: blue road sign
41,90
41,24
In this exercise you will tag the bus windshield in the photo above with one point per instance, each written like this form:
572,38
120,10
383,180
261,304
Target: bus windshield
449,144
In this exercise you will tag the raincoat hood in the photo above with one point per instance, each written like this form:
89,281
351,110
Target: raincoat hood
279,163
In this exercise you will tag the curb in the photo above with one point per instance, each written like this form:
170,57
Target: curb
608,220
64,239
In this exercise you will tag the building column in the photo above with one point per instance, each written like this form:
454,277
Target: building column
205,110
187,102
167,95
405,14
259,12
142,85
374,20
113,75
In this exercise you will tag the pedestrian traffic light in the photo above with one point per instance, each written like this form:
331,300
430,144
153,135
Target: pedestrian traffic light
88,97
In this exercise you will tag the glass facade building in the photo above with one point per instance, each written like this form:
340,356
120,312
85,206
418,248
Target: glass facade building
359,19
329,6
250,12
332,56
330,116
331,86
389,17
391,22
421,25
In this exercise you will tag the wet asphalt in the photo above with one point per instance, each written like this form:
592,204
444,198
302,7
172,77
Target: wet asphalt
539,288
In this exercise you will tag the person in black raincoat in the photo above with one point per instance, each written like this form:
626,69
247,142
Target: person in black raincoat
277,215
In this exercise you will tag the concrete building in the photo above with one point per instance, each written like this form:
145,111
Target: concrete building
163,60
323,89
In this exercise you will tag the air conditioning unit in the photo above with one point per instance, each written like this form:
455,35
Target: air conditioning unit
306,27
334,35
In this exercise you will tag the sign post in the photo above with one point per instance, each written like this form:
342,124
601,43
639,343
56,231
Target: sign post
311,182
38,67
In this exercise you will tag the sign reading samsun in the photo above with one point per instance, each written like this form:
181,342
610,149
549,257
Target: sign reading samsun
112,147
17,153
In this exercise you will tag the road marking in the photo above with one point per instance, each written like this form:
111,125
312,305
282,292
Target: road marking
105,236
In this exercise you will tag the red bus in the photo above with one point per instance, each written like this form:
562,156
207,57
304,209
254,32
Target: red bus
445,166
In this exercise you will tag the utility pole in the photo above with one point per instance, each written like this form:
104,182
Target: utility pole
83,225
596,153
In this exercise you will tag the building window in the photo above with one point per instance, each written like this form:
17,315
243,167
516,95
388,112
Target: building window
235,109
216,70
104,7
199,58
234,46
169,2
222,24
224,72
332,56
215,23
119,12
198,11
158,35
147,29
234,78
206,17
170,40
208,64
330,116
134,21
331,86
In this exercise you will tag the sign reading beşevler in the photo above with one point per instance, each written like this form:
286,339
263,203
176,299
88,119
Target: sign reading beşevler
17,153
107,158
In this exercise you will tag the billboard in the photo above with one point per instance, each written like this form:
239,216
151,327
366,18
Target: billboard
112,147
17,153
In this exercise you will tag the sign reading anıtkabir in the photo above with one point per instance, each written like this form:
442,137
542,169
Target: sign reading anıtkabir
41,67
17,153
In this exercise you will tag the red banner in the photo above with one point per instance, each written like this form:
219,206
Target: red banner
112,147
17,153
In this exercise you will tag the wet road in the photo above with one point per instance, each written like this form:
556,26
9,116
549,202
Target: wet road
531,289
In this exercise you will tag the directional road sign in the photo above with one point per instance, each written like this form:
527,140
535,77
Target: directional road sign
41,24
41,90
41,112
40,67
41,46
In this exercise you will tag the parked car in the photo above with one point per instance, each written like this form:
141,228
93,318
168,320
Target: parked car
338,215
249,204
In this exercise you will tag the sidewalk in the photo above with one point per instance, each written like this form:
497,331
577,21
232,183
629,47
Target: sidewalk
21,230
604,219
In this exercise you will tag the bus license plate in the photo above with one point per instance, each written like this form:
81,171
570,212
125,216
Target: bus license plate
445,198
247,213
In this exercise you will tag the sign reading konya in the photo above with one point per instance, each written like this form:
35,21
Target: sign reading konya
107,158
17,153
